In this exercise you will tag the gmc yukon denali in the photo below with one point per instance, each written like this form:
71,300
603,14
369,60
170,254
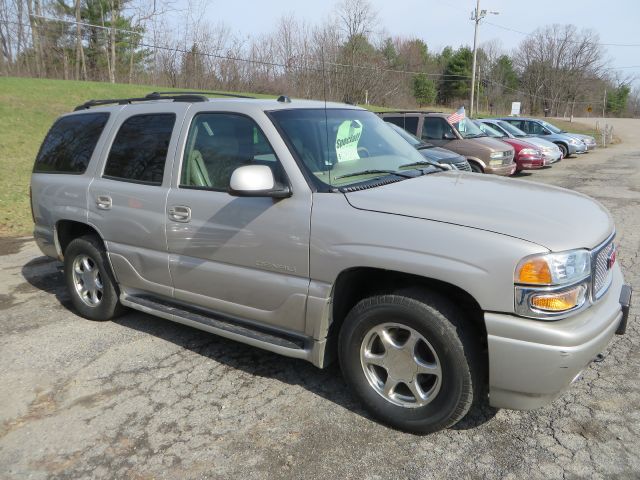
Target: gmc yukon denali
313,230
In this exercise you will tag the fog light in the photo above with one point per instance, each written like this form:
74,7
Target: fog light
561,301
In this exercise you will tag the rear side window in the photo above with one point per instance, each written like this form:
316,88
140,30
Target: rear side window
139,151
69,144
410,124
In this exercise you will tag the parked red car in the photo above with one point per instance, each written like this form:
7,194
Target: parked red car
527,155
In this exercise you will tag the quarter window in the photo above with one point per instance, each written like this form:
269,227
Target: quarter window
217,144
69,144
139,151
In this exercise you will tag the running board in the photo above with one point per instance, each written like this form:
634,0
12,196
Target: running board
287,345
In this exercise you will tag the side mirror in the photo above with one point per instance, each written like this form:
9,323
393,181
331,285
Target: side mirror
448,136
256,181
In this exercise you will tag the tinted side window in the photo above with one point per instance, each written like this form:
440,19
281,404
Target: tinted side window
535,128
139,151
410,124
434,128
69,144
217,144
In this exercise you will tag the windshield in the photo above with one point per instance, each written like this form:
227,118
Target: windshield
489,130
515,131
412,139
552,128
341,147
468,129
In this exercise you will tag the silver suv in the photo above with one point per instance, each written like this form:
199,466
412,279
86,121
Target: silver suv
315,231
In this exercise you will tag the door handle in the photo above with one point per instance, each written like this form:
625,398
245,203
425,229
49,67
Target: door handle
104,202
180,214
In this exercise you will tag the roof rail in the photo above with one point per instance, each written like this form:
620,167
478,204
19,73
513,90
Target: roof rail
147,98
220,94
175,96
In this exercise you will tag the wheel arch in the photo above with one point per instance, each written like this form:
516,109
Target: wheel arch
68,230
357,283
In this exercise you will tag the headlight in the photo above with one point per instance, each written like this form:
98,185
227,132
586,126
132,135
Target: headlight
574,141
529,151
561,268
552,284
497,155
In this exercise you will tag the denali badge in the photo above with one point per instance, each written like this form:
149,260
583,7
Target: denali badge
275,266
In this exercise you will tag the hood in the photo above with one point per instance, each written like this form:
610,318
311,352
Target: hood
518,143
540,142
492,143
552,217
440,154
581,136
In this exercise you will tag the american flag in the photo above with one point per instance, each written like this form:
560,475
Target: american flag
456,117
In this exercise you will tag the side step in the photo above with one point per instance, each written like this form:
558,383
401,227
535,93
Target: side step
288,345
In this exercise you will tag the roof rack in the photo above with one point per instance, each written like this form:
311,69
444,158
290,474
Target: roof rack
190,97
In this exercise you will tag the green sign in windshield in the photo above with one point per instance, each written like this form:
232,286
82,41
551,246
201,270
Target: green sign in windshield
349,133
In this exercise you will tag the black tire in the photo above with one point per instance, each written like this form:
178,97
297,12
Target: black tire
108,305
455,341
475,168
563,150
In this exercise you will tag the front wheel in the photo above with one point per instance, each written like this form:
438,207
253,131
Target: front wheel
563,150
412,360
475,168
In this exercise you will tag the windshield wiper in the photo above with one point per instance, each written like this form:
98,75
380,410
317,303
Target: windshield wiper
423,163
372,172
475,135
424,146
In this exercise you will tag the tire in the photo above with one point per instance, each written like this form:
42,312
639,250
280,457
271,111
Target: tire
475,168
447,341
563,150
86,269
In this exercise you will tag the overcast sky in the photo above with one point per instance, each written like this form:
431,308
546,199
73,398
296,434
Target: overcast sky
446,22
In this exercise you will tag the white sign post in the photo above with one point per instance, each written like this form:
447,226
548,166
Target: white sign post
515,108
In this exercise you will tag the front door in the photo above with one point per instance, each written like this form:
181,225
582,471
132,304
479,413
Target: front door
246,257
434,130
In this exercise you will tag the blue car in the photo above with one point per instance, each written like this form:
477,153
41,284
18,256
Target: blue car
568,143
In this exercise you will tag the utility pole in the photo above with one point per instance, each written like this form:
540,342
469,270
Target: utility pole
604,103
476,16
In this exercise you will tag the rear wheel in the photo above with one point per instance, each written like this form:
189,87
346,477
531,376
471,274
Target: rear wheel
412,360
91,284
475,167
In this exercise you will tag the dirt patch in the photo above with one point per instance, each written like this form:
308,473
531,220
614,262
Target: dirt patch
12,245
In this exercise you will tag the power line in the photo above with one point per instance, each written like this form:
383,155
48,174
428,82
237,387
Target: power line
526,34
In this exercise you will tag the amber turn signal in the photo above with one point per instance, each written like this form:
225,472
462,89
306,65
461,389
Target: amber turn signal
559,302
535,271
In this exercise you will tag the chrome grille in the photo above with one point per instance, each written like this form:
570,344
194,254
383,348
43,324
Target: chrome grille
464,166
601,269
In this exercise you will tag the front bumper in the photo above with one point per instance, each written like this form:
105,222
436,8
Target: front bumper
552,156
582,148
506,170
532,361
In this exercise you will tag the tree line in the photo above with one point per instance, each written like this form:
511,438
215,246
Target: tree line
557,70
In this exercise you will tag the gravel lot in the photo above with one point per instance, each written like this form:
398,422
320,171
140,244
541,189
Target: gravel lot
145,398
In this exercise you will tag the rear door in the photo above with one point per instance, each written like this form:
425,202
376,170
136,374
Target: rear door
245,257
127,198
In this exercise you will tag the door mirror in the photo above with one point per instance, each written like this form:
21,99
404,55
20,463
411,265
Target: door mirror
448,136
256,181
546,132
